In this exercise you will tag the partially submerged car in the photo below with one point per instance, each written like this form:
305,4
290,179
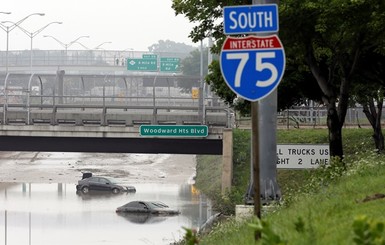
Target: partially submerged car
155,207
99,183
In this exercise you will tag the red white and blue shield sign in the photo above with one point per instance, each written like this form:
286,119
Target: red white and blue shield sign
252,66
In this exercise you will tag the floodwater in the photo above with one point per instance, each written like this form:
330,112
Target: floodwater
47,214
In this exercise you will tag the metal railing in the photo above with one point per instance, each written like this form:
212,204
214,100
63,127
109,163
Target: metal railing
110,115
312,117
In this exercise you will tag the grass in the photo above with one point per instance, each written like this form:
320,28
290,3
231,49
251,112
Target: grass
320,206
329,214
209,169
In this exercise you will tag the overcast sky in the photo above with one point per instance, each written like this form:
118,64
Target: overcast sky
127,24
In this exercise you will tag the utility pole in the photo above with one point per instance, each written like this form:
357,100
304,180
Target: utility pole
254,72
201,109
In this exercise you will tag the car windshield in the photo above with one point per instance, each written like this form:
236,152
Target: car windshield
157,205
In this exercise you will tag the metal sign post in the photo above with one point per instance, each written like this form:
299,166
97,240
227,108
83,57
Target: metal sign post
255,157
267,123
253,67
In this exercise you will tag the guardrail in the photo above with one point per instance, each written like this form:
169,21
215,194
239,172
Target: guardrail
110,115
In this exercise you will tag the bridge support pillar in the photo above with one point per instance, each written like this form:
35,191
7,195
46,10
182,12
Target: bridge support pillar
227,159
60,85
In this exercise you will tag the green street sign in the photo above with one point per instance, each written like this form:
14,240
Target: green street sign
142,65
173,130
169,59
169,64
150,56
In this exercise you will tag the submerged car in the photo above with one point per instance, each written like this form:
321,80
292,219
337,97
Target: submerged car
97,183
147,207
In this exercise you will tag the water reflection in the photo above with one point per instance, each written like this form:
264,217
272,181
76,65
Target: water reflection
101,195
142,218
54,214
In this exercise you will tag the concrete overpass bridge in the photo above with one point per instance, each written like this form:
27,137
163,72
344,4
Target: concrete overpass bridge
89,87
100,108
44,104
84,99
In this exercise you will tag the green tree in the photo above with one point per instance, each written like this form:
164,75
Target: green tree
369,91
298,86
175,49
324,37
330,37
191,66
206,14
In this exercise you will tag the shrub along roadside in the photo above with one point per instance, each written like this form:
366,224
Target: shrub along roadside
209,168
315,210
209,174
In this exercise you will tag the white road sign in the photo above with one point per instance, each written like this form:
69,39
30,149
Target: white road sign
302,156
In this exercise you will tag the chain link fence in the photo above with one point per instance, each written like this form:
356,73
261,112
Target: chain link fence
312,117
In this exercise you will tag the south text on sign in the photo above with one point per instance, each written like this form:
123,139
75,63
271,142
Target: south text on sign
251,20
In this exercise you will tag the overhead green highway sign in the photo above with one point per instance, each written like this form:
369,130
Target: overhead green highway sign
168,64
142,65
150,56
173,130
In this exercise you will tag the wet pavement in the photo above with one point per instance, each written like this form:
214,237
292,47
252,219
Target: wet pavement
53,213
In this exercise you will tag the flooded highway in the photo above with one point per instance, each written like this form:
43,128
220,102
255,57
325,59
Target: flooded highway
46,214
39,204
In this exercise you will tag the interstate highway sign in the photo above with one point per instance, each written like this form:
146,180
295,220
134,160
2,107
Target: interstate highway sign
252,66
250,19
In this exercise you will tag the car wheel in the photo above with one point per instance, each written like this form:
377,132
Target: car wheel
85,189
115,190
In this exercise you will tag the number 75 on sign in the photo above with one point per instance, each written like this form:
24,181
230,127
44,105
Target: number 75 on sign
252,66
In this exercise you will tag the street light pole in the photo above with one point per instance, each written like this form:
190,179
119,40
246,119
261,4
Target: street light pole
98,47
33,34
127,49
66,45
84,46
104,52
8,29
201,109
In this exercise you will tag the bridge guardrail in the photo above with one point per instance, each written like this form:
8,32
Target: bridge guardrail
124,115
